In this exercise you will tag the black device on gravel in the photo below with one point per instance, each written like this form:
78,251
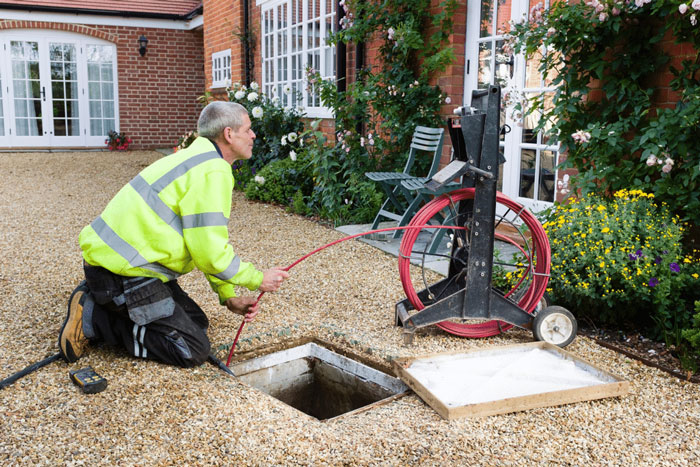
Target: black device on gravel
88,380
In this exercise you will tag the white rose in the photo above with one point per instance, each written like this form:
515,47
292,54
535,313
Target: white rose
283,141
253,96
696,5
240,94
682,8
293,155
254,86
291,137
287,89
259,179
257,112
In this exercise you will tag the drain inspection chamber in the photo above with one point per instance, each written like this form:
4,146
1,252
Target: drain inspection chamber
319,382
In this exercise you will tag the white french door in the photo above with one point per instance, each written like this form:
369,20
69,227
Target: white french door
56,89
529,173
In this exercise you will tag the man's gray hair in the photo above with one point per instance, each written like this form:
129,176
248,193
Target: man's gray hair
218,115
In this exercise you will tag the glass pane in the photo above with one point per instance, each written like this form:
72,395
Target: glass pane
55,52
19,70
21,108
95,109
108,109
71,108
94,90
485,74
547,164
19,88
71,71
96,127
486,23
34,89
504,66
108,126
22,127
59,127
56,71
33,71
59,109
533,78
528,160
503,16
72,90
57,90
73,127
107,91
93,72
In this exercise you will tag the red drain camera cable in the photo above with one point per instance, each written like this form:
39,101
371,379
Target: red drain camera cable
528,302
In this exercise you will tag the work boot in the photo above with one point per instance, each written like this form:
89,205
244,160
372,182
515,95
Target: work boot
71,338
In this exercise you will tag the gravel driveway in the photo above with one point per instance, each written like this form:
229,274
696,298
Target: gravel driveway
152,414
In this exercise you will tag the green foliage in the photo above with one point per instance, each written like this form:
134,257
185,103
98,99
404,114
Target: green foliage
243,172
692,336
377,114
276,127
603,56
620,261
280,181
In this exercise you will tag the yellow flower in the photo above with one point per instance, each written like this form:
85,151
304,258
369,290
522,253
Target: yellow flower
695,275
605,230
686,260
602,264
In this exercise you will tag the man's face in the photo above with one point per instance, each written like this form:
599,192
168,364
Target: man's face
241,140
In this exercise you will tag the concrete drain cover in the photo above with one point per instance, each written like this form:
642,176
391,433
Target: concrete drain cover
318,381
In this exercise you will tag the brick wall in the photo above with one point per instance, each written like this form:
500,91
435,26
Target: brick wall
158,92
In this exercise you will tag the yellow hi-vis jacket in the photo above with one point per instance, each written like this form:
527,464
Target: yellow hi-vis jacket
171,218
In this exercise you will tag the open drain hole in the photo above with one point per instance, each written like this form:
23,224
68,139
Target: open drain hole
318,381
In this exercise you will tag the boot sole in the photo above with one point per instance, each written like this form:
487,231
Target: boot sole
65,346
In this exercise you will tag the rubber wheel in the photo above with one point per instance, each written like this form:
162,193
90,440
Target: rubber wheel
555,325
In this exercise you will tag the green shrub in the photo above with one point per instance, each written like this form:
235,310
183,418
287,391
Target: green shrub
243,172
692,336
280,181
277,128
619,261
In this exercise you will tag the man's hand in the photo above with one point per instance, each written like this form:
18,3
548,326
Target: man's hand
272,279
245,306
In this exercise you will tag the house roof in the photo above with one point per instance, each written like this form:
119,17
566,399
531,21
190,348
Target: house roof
143,8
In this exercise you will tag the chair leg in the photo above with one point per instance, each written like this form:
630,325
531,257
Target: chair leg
410,212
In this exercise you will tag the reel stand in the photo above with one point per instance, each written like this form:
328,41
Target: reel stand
465,302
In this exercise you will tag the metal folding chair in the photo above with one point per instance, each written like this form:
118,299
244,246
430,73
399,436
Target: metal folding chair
398,206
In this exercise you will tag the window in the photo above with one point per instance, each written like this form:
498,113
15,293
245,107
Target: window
221,69
294,38
100,67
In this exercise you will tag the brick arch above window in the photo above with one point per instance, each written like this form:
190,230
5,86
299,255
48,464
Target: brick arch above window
68,27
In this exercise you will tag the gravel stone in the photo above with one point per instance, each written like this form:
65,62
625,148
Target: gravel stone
153,414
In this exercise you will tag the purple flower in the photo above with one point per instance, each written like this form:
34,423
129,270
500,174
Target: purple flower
653,282
632,257
657,260
639,253
674,267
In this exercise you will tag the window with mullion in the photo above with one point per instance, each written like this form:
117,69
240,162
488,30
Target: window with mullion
294,34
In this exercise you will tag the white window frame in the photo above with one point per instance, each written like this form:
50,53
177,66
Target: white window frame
221,69
284,61
48,139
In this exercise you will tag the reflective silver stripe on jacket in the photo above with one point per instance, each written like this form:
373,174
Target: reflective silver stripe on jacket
205,219
231,270
139,349
149,192
127,251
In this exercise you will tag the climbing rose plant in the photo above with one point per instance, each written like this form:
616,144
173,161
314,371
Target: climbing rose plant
605,57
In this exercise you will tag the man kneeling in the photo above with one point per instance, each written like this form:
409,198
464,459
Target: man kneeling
169,219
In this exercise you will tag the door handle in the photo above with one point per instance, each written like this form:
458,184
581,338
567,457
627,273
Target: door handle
43,93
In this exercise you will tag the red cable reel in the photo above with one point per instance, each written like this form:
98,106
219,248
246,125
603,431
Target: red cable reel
538,261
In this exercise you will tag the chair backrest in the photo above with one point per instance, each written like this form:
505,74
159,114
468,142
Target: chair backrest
426,139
